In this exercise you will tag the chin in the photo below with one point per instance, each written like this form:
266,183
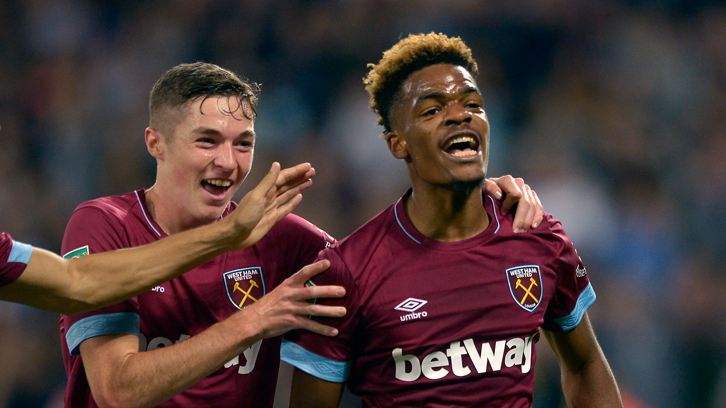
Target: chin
467,185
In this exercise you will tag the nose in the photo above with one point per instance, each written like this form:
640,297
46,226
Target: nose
225,157
456,114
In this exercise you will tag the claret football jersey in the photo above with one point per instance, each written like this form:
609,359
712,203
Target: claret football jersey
185,306
14,258
441,324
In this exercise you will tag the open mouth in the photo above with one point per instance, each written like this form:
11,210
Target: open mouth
216,186
462,146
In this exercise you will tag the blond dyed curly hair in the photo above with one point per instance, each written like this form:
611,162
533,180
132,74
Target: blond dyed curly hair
406,57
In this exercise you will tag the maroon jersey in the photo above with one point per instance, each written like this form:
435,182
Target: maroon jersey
187,305
14,257
442,324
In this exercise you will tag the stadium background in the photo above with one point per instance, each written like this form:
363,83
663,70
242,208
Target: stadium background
614,111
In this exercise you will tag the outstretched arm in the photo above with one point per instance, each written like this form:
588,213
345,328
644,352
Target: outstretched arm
73,286
587,380
515,191
120,375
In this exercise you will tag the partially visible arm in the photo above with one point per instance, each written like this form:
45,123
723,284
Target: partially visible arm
121,376
587,380
312,392
515,191
73,286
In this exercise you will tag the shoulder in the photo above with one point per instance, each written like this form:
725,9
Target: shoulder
552,232
111,206
295,227
366,241
103,224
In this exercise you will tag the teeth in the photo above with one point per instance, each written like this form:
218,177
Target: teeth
464,153
461,139
219,183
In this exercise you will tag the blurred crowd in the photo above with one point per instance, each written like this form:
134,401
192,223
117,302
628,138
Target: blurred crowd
614,111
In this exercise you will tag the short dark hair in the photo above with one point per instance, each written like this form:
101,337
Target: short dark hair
185,83
406,57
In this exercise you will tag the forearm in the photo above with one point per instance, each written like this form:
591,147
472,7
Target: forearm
107,278
119,376
593,386
587,380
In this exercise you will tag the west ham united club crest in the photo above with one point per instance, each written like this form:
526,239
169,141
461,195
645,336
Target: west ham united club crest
244,286
525,284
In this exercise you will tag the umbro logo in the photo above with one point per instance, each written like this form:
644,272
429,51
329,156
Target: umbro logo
410,305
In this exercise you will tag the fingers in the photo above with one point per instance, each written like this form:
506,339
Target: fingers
539,211
316,327
491,188
269,180
287,208
283,196
306,273
292,176
525,212
511,190
529,208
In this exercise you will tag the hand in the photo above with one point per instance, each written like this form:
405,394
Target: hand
276,196
529,208
286,308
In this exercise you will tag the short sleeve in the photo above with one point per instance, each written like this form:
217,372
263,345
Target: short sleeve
14,258
325,357
574,293
92,230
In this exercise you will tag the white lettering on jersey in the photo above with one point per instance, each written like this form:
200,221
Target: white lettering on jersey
250,354
157,342
251,357
433,366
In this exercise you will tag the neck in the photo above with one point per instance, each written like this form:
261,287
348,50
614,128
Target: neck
164,213
445,213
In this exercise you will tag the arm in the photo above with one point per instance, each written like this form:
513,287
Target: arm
120,375
529,208
73,286
312,392
587,380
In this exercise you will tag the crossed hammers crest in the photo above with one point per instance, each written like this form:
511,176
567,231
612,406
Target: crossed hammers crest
527,291
253,284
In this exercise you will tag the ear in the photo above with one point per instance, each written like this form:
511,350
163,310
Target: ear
155,143
397,145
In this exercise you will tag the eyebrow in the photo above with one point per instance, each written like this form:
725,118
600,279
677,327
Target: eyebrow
441,95
210,131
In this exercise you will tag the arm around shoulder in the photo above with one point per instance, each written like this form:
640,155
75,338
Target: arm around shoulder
587,380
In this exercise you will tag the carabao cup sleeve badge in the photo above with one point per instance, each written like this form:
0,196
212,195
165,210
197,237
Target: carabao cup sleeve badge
525,284
244,286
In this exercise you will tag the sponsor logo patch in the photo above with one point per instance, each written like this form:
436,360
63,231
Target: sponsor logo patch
77,253
525,284
580,272
244,286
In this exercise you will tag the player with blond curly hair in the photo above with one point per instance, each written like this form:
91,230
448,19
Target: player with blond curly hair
445,303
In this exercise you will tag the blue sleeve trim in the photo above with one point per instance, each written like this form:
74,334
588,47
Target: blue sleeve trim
313,364
20,253
586,299
101,325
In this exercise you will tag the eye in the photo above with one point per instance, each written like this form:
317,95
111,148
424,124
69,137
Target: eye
474,104
431,111
205,140
246,143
